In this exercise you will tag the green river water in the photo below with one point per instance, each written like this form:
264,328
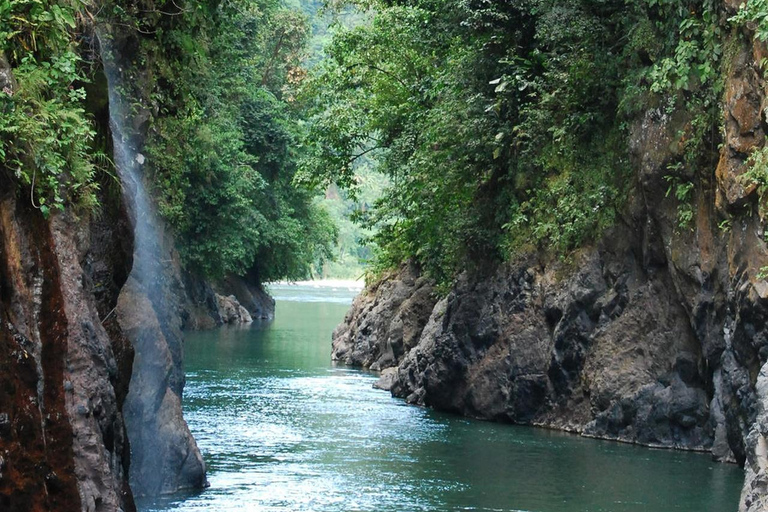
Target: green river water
282,429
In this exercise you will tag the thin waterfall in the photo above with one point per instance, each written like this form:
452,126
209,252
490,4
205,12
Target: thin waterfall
128,161
164,455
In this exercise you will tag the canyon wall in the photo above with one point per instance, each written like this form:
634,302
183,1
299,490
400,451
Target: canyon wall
655,335
65,367
91,345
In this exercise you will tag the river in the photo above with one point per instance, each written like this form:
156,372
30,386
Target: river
282,429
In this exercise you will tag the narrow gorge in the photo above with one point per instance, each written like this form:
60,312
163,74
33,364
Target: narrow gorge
571,234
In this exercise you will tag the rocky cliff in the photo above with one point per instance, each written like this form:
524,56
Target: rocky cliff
91,345
654,335
65,368
77,338
159,299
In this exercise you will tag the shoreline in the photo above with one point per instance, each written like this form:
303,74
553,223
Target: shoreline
323,283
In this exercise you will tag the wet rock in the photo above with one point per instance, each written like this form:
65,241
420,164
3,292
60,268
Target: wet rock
231,312
164,455
51,334
386,379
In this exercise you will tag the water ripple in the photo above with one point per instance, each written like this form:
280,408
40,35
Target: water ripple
282,430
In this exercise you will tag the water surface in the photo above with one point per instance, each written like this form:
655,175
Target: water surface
281,429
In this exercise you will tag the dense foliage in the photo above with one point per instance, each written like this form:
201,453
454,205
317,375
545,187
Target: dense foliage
210,86
500,127
754,13
503,125
221,144
45,134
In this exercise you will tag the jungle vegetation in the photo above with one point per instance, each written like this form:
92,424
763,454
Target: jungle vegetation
503,126
495,128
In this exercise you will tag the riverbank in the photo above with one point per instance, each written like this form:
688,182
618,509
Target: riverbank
347,284
284,429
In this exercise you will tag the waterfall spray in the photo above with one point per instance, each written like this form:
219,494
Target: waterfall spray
164,455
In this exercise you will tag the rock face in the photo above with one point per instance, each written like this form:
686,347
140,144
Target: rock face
64,378
606,352
755,493
8,83
159,298
234,300
86,352
202,308
150,308
249,294
655,335
231,312
91,350
164,455
385,321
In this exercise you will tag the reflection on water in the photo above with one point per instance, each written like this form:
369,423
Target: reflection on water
283,430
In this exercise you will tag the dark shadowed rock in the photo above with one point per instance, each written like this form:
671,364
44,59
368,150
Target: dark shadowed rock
231,312
202,304
250,294
385,321
62,437
586,353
